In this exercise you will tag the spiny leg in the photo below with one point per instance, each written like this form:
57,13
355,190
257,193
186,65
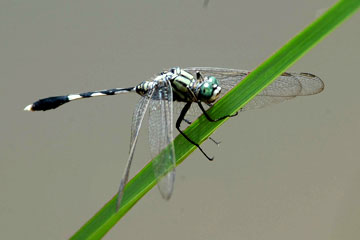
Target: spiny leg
214,120
178,123
214,141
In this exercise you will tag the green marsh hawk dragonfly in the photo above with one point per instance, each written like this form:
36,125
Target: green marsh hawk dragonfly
185,87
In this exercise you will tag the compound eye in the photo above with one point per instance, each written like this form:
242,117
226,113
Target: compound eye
213,80
206,91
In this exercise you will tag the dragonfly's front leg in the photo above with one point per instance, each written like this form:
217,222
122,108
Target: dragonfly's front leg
209,118
199,76
178,123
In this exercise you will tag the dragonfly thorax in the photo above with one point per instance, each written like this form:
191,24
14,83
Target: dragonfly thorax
185,87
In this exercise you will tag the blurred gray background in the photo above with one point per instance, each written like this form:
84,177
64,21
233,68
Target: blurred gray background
290,171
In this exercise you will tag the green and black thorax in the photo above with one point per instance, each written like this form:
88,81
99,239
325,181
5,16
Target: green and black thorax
185,86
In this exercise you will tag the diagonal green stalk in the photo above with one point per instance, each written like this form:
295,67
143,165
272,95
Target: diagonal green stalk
201,129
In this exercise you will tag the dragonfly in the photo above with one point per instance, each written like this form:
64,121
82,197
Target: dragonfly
180,88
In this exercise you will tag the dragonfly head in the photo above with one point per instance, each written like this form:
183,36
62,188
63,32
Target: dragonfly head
209,90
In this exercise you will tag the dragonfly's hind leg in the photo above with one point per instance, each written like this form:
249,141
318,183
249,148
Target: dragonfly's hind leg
178,123
187,121
213,140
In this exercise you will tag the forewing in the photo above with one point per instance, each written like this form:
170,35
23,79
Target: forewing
228,78
285,87
161,137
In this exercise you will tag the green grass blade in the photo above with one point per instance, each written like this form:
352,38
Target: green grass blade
201,129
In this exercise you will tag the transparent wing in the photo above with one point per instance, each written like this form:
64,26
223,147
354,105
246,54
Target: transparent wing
161,137
138,117
287,86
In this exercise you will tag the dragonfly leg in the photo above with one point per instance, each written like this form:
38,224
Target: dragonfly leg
187,121
214,141
178,123
214,120
199,76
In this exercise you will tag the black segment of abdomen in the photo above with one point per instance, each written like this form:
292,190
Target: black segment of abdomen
49,103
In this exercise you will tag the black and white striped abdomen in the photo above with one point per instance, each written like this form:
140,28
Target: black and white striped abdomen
55,102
